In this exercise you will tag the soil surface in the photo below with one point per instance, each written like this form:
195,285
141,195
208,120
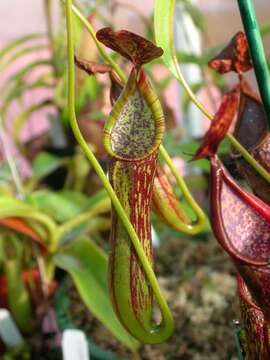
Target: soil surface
198,281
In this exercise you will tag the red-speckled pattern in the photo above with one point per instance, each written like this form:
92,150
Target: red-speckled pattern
256,344
130,45
220,125
241,223
133,183
235,57
165,202
245,227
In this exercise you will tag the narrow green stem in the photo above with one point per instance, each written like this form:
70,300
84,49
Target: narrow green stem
257,53
100,48
200,223
46,222
167,321
197,210
246,155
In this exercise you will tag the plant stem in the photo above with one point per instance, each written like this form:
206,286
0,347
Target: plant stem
167,321
100,48
200,223
33,215
257,53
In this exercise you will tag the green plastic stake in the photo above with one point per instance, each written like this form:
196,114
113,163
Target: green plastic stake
257,53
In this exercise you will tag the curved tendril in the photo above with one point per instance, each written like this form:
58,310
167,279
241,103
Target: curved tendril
197,226
165,328
42,219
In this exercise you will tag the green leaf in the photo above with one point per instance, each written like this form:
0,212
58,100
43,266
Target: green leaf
20,120
19,88
99,199
17,42
18,297
163,23
87,265
21,53
7,204
45,163
63,206
76,197
55,205
5,173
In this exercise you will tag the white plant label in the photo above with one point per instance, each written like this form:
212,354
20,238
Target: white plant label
9,332
75,345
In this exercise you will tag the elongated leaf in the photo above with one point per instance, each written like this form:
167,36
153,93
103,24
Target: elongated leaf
54,205
76,197
87,265
99,200
63,207
20,53
18,297
14,44
18,78
24,116
28,68
20,226
17,89
163,23
219,125
45,163
8,203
